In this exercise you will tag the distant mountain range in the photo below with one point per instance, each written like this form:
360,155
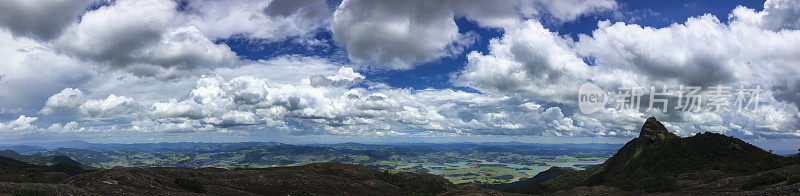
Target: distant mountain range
186,147
269,154
178,147
656,162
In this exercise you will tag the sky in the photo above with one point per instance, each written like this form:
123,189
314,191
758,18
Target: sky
380,71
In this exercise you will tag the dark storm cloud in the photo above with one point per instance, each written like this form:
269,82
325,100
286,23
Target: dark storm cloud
40,19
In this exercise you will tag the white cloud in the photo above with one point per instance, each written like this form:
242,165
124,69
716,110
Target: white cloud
345,77
283,69
175,78
148,38
568,10
175,109
531,106
272,20
537,64
777,15
395,34
69,98
111,106
552,114
148,125
738,53
27,64
19,126
530,60
303,108
69,128
400,34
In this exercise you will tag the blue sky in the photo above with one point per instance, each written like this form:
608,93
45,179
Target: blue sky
435,74
317,71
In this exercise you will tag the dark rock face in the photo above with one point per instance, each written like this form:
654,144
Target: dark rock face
653,132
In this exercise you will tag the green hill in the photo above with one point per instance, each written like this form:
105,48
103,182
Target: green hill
652,161
658,161
12,170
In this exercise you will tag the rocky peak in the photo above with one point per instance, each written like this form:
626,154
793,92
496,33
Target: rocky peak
653,132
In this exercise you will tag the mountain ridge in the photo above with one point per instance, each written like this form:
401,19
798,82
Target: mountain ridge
660,161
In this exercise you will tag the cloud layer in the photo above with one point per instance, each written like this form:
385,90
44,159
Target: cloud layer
156,67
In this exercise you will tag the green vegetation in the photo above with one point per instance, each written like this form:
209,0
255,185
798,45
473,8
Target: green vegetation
412,184
31,192
191,185
653,161
654,167
483,174
569,179
299,192
792,179
764,179
377,157
12,170
420,158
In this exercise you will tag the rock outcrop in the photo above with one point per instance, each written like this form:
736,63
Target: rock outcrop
658,160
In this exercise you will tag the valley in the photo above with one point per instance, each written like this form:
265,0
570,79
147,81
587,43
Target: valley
459,163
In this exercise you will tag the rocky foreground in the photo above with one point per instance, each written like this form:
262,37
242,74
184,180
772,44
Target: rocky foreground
311,179
346,179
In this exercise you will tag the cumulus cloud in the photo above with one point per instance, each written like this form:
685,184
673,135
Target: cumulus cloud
551,114
147,38
530,60
70,127
173,108
303,108
734,54
396,34
39,19
400,34
272,20
533,62
568,10
344,110
111,106
525,78
345,77
18,126
28,63
68,98
730,55
147,125
777,15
